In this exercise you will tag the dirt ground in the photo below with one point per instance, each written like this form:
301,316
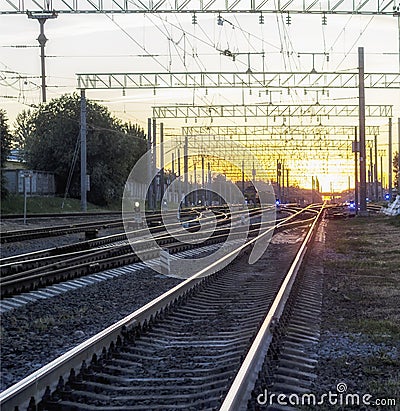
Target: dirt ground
360,330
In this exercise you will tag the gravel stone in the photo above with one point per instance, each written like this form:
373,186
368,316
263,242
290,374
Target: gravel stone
39,332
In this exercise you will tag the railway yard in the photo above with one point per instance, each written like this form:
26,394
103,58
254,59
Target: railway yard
200,205
317,313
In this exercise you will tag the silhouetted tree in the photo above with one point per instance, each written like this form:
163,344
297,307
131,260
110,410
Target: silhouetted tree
50,138
5,137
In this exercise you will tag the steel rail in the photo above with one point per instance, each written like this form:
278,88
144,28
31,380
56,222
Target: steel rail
21,269
61,215
99,260
240,391
26,234
34,385
69,249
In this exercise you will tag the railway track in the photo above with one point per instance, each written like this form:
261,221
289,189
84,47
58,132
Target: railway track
42,268
198,346
152,219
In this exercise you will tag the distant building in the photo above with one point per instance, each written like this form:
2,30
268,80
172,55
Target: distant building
38,182
14,160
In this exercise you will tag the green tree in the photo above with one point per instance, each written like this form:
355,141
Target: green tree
50,138
5,137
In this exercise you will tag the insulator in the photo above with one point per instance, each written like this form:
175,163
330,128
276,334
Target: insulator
324,20
261,19
288,19
194,19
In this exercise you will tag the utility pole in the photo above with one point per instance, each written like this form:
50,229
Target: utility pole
42,18
390,179
173,176
283,181
162,177
155,187
312,189
398,146
209,184
278,178
180,180
356,150
381,154
376,167
195,184
371,174
361,113
149,167
243,177
83,152
203,198
287,185
186,169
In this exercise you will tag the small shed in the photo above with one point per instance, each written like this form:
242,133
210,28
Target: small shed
38,182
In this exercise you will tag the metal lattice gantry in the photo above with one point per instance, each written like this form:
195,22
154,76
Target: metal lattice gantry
269,110
248,79
295,152
366,7
273,146
293,130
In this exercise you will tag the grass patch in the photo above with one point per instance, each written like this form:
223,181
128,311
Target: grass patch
348,245
395,221
14,204
368,267
377,330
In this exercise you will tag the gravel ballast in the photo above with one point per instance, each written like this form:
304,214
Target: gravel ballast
39,332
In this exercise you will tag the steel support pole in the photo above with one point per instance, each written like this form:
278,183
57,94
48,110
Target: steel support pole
278,178
390,165
376,167
398,146
287,185
162,176
356,148
370,175
25,196
185,168
155,186
383,197
42,41
283,181
312,189
243,177
180,180
172,178
195,184
149,167
83,152
209,185
203,198
361,113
